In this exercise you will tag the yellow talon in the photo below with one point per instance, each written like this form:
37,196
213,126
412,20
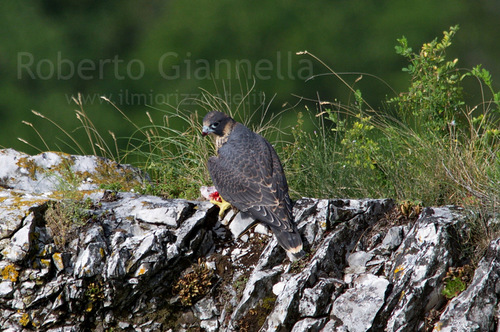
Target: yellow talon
223,206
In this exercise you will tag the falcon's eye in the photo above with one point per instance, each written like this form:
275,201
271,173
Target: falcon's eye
214,125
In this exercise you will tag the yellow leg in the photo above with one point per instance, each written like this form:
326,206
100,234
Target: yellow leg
223,205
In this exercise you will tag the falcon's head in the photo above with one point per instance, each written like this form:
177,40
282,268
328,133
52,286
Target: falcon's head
217,123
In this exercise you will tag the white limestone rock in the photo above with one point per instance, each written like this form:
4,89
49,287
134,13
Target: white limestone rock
309,325
359,305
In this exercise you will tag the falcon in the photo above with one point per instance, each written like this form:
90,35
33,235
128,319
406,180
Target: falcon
247,173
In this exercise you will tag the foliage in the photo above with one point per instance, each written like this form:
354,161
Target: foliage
194,284
456,281
435,93
410,209
94,294
436,150
114,186
94,143
336,159
175,159
428,146
64,217
239,284
256,317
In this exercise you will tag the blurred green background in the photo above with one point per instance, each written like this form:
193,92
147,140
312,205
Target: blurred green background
145,54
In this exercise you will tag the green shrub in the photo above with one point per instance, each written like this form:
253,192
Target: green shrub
428,145
435,94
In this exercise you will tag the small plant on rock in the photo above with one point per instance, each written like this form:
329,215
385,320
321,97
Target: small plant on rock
256,317
456,281
410,209
64,217
94,294
240,284
194,284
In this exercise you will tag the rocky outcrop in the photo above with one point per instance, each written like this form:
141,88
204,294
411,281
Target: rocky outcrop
75,257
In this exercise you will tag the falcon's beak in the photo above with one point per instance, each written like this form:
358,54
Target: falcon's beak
206,130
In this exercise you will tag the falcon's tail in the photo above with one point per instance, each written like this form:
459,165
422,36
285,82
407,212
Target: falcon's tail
290,241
